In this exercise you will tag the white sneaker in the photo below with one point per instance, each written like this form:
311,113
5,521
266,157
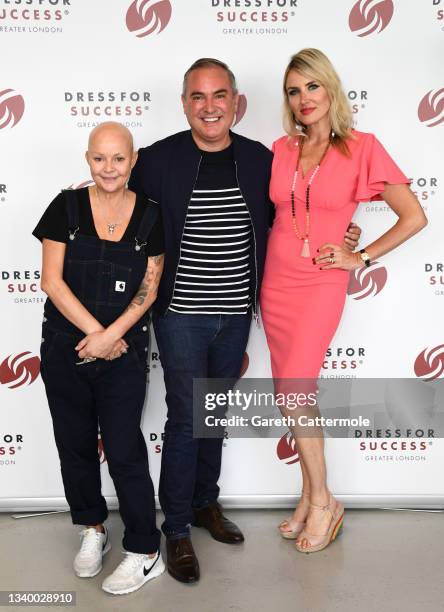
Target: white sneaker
88,561
133,572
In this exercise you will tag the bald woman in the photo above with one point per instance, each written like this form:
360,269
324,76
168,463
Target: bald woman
102,262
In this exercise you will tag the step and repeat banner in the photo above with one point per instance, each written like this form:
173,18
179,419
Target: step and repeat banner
67,65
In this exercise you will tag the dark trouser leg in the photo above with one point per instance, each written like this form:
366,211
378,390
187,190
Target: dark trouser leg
183,342
224,361
120,388
74,417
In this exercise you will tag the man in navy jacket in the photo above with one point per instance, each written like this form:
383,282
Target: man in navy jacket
211,343
212,186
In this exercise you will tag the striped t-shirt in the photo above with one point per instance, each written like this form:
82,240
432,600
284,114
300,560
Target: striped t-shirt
213,275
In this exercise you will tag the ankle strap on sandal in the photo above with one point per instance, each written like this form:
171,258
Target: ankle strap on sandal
323,508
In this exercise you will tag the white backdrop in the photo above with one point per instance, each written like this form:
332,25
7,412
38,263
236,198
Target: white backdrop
68,64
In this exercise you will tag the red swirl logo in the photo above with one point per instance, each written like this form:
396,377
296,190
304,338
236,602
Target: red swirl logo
100,449
19,370
245,364
80,185
429,365
12,107
431,108
286,449
369,16
241,109
367,281
145,17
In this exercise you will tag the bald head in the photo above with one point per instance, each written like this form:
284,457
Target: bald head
110,131
110,156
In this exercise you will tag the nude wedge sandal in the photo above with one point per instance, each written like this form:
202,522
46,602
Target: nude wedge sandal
318,542
296,527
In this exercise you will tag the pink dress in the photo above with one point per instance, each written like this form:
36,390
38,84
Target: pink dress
301,305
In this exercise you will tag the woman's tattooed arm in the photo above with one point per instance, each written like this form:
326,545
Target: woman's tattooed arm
149,284
148,287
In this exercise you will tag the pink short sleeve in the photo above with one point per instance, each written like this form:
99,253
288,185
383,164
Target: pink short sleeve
376,169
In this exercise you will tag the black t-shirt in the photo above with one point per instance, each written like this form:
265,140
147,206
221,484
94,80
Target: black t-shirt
54,222
217,169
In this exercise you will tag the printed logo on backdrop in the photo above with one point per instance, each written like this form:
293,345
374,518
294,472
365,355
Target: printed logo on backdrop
431,108
10,445
435,277
254,17
154,441
425,188
100,449
429,365
358,100
367,281
19,370
438,7
286,449
343,361
145,17
393,449
21,286
81,185
245,364
241,109
89,108
370,16
34,16
155,360
12,107
3,192
412,408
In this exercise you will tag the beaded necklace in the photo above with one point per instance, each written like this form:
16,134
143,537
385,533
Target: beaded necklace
306,246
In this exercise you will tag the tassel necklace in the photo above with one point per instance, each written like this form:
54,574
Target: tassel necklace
305,252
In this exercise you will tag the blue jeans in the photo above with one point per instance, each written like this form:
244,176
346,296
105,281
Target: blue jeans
193,346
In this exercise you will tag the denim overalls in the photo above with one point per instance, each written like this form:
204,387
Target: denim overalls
104,276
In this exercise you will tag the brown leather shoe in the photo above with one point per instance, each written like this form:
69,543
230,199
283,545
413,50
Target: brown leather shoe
182,563
221,529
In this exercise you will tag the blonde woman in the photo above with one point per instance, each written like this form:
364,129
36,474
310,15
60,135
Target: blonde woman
321,170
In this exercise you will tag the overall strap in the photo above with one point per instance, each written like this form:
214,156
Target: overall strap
146,225
72,208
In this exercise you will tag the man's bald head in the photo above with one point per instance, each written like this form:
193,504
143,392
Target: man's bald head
110,130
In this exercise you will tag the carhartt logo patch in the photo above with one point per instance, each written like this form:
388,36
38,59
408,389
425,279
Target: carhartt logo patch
120,286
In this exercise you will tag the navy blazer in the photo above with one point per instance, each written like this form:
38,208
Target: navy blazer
166,173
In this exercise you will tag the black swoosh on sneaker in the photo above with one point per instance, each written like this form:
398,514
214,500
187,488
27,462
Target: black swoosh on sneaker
147,571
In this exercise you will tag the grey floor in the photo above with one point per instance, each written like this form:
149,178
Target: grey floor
383,561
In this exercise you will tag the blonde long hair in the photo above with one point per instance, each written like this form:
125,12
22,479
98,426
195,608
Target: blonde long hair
315,65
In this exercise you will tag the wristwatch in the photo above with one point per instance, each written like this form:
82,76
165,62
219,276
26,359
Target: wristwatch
365,257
